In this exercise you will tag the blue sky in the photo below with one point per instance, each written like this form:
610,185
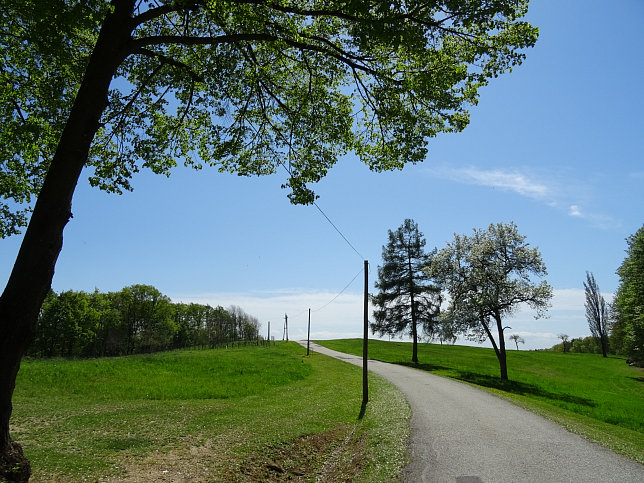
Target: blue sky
556,146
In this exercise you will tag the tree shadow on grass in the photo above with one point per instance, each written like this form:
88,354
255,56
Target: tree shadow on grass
513,387
521,388
424,366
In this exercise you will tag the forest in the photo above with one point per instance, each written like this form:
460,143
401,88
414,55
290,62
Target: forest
136,319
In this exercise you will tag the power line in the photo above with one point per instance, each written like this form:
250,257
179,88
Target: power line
341,292
297,315
337,229
288,170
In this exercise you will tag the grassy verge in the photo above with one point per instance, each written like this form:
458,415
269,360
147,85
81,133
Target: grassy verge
601,399
247,414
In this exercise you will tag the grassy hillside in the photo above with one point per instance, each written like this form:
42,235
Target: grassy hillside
243,414
602,399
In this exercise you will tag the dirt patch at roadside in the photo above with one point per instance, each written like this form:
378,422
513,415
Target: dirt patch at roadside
337,455
333,456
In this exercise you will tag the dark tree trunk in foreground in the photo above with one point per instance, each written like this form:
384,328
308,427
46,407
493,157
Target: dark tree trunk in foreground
33,270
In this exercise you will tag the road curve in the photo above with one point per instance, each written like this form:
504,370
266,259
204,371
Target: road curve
465,435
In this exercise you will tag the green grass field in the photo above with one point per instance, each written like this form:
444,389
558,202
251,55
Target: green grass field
602,399
243,414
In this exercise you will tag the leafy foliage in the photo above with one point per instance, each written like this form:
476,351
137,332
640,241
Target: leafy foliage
44,47
246,86
137,319
488,276
628,329
580,345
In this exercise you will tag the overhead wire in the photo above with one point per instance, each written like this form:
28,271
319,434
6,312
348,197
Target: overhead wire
338,230
288,170
341,292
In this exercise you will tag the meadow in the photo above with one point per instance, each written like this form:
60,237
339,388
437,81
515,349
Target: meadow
601,399
256,413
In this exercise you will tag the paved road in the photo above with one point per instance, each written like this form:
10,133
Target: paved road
464,435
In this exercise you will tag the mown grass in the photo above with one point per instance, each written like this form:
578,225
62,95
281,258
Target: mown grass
207,416
602,399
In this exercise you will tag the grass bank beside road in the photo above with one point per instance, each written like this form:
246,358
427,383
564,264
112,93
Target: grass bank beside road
243,414
601,399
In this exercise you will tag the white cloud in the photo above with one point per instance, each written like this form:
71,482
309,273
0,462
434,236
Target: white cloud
507,180
343,317
597,219
574,211
557,193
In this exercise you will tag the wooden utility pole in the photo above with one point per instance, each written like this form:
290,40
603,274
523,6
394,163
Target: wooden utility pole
308,336
285,334
269,332
365,336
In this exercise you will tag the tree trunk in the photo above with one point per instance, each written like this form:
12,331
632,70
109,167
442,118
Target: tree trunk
604,342
499,350
414,332
414,329
33,270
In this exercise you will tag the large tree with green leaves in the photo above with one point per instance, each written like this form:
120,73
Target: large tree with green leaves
406,296
628,307
488,276
245,86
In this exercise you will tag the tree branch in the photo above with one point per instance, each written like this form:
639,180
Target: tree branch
165,60
343,57
157,12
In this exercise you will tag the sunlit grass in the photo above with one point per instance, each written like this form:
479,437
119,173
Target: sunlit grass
199,413
600,398
169,375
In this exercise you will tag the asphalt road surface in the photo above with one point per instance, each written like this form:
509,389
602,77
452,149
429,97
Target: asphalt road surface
461,434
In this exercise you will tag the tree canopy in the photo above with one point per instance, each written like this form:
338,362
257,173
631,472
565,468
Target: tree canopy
406,297
488,276
246,86
136,319
628,327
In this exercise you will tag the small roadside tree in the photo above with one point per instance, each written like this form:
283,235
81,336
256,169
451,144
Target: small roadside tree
406,296
488,277
596,312
517,338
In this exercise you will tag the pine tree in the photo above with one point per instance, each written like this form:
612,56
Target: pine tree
407,297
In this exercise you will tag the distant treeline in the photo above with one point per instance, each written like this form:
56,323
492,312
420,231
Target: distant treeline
137,319
587,345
